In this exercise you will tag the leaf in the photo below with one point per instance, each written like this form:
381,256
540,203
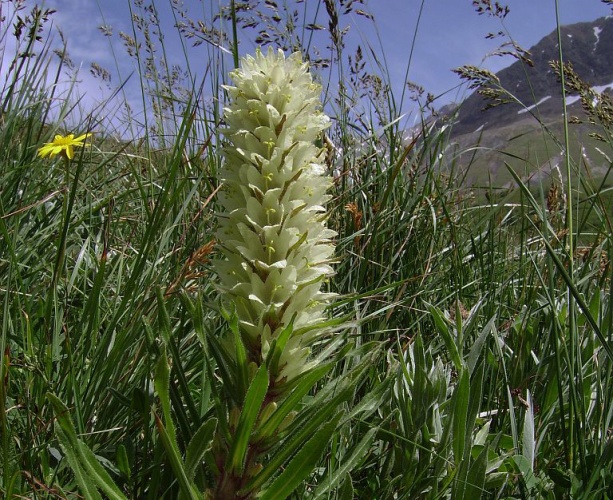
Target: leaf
460,416
372,401
86,485
278,346
475,388
523,466
164,327
227,370
475,350
242,367
465,467
367,356
308,380
476,397
346,491
513,420
301,431
187,487
197,447
140,402
475,481
481,437
561,478
450,342
90,475
162,387
302,464
603,464
123,463
347,465
125,401
529,446
101,477
251,408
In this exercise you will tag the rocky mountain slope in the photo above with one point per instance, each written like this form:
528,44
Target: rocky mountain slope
588,46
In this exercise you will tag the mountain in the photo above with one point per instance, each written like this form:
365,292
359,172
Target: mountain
479,136
588,46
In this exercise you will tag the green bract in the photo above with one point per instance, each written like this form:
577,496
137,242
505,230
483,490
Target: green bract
273,230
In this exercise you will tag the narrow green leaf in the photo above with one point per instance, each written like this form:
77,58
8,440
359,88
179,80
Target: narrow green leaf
100,476
529,445
307,381
604,463
475,400
475,350
562,269
62,417
512,420
120,397
372,401
123,464
278,347
448,339
86,485
199,444
140,402
180,411
162,387
242,367
523,467
302,464
301,430
251,408
367,356
89,473
227,370
346,491
187,487
346,466
475,480
460,416
164,327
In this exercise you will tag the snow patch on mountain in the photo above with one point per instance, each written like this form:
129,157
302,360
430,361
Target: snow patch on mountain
530,108
599,89
571,99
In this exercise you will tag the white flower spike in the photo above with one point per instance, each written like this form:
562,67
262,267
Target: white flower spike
272,226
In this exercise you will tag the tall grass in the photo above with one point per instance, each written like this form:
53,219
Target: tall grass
479,332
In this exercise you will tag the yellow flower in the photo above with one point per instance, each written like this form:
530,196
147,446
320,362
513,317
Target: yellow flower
62,145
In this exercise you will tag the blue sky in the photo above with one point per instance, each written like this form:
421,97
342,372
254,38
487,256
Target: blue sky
449,34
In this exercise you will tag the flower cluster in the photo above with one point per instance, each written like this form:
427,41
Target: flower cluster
273,231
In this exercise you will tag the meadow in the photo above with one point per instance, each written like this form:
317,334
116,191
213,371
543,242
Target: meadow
468,352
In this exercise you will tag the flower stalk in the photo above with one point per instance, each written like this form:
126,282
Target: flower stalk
64,147
276,252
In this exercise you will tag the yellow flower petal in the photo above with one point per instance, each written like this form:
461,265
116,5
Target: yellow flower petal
62,145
